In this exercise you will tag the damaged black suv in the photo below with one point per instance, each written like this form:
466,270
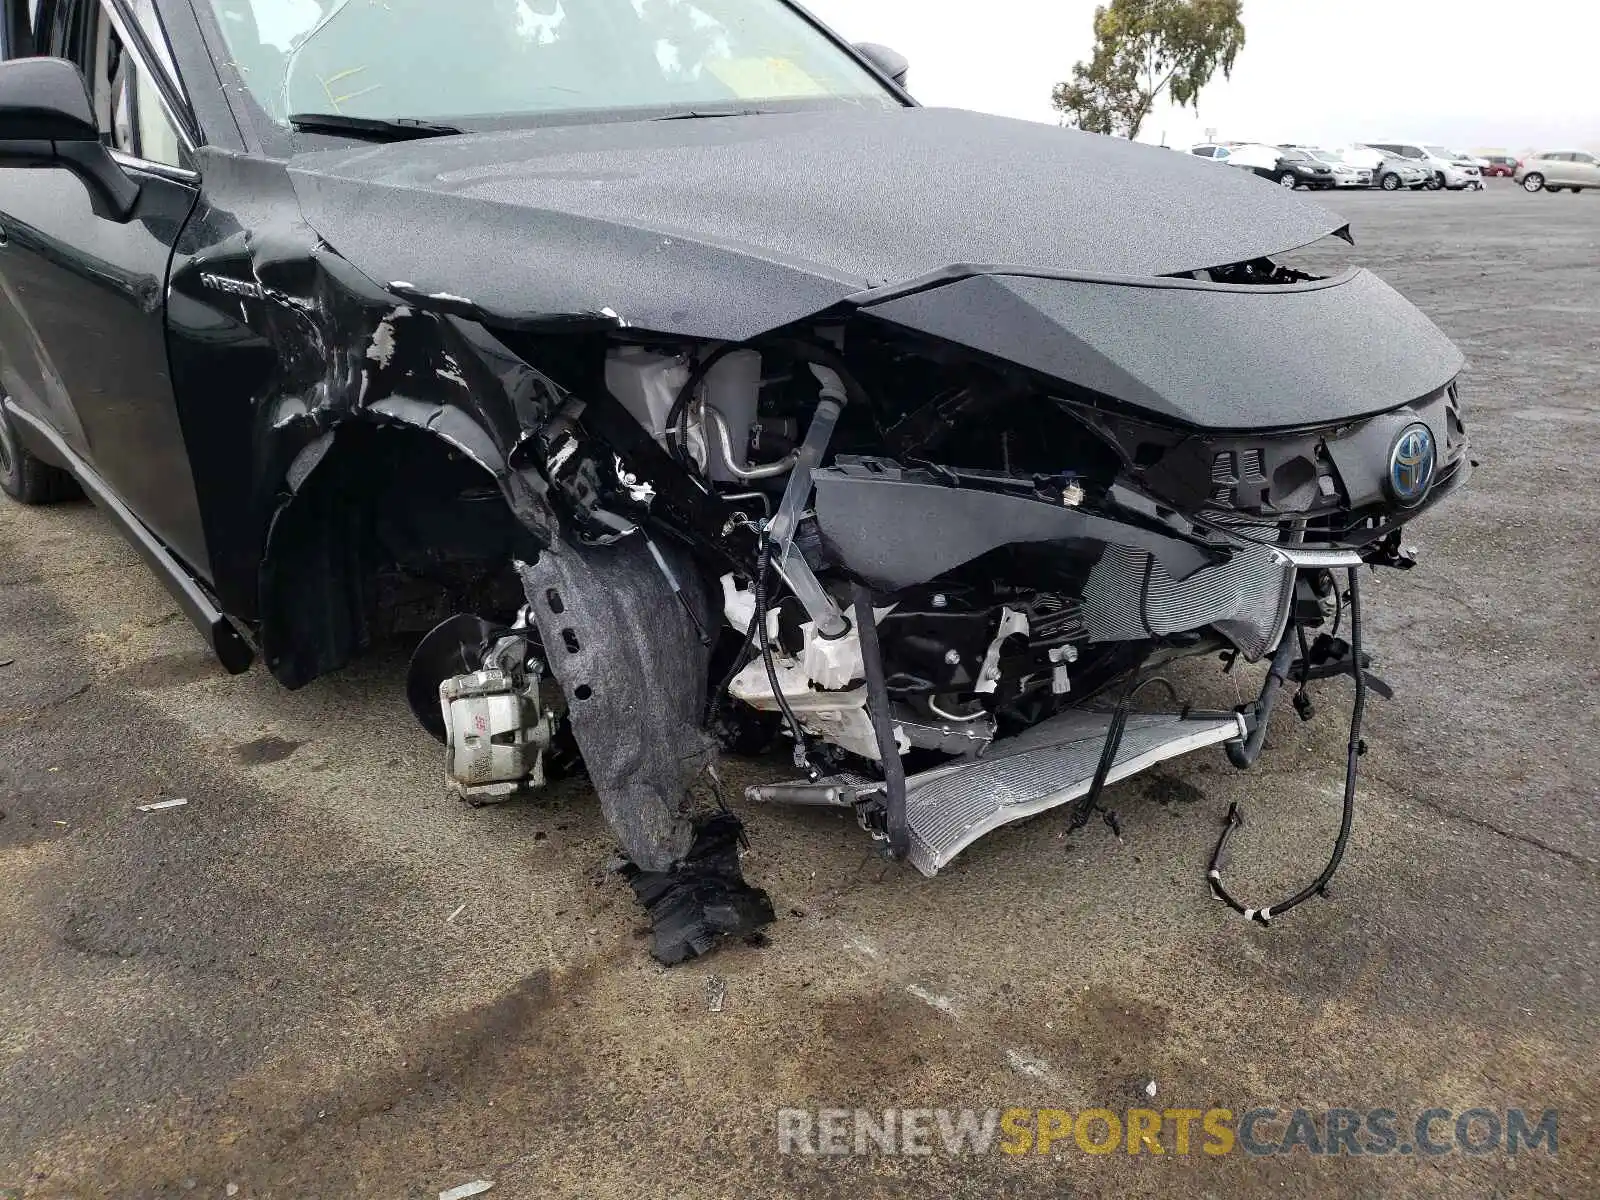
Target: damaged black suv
691,384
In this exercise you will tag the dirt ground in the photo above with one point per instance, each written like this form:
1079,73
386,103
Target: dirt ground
322,979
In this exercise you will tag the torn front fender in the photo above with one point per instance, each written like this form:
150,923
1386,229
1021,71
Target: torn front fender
277,342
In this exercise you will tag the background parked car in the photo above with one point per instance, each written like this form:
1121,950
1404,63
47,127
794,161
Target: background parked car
1552,170
1300,168
1263,160
1390,172
1396,171
1499,164
1445,168
1345,174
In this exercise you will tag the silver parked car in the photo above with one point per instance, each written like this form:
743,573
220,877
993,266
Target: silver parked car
1552,170
1345,174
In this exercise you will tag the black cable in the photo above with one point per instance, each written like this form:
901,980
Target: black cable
763,562
1108,752
677,415
798,348
878,712
714,704
1305,665
1235,819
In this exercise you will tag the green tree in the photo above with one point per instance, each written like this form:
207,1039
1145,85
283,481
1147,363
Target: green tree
1144,48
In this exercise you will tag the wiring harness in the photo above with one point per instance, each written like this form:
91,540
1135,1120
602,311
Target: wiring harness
1235,818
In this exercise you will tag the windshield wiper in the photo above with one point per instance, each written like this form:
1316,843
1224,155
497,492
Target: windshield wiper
394,129
701,114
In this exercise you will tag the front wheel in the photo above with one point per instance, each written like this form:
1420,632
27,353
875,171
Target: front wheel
24,478
1533,182
1287,180
1390,182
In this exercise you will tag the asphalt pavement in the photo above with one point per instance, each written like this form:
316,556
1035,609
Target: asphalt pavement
321,978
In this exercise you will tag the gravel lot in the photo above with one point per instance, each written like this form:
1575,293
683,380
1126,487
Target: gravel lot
321,979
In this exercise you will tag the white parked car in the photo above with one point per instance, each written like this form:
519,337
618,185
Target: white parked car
1552,170
1265,161
1446,168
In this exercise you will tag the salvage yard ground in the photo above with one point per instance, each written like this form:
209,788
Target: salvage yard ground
318,978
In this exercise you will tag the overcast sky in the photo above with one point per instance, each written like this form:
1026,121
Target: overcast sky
1508,74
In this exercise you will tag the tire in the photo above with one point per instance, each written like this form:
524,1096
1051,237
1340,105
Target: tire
1550,191
24,478
1533,182
1390,182
1287,180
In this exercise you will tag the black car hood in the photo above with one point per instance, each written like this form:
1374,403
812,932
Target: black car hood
1204,355
728,227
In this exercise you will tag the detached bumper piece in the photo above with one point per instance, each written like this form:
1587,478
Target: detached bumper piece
704,899
1054,763
1048,766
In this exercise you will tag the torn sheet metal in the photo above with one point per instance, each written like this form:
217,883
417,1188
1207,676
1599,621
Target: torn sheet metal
277,342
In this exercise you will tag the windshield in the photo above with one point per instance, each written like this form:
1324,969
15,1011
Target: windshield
1331,157
453,60
1441,152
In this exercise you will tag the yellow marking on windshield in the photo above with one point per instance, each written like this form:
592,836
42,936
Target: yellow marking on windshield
764,78
336,101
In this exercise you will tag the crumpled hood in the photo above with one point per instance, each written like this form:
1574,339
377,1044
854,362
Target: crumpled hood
728,227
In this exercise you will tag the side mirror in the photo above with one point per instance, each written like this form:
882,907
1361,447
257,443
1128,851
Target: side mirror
46,120
891,62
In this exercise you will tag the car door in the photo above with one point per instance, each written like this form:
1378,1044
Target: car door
1585,169
83,298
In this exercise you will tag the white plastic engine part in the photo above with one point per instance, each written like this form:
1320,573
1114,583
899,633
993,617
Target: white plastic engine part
733,388
1060,678
497,735
739,607
832,663
647,384
839,718
812,683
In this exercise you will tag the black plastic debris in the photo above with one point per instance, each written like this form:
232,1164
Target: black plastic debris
704,899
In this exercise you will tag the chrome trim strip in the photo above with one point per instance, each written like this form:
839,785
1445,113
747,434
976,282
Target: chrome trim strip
144,15
165,170
1311,557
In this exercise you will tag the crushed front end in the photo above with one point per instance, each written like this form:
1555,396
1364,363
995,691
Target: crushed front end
934,541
